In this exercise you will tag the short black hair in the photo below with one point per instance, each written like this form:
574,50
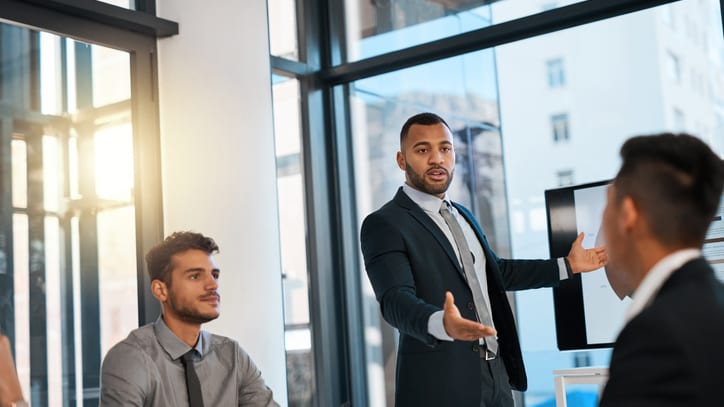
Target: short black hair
677,181
158,259
425,119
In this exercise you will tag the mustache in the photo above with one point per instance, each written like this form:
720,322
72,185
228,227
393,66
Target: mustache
210,295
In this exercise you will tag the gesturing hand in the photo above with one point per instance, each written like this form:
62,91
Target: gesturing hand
582,259
460,328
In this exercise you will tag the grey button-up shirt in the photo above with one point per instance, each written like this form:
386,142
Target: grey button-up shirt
145,370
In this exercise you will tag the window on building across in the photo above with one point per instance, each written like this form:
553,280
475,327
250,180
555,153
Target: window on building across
559,126
556,73
565,177
674,67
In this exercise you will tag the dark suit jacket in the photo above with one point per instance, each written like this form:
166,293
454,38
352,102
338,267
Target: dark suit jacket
411,264
671,353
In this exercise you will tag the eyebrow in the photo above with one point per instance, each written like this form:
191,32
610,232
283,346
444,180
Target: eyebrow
428,144
197,269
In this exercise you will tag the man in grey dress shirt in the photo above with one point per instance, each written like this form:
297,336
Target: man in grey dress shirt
147,368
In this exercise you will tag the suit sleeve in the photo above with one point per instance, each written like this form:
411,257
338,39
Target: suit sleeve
649,367
389,271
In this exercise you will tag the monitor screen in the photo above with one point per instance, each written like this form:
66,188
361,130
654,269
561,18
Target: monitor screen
588,314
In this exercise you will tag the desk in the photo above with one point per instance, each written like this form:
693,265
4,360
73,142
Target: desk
581,375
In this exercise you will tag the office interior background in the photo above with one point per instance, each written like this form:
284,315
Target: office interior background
273,126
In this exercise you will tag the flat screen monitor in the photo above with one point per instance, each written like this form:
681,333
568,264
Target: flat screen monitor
587,312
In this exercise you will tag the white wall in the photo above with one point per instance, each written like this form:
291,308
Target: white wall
218,163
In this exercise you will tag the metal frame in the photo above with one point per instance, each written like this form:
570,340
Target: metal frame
143,21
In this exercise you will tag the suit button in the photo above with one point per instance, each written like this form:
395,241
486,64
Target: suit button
476,348
471,305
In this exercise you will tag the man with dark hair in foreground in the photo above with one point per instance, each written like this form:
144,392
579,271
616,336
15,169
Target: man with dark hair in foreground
172,362
659,208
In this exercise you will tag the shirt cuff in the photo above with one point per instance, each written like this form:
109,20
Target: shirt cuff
564,269
436,328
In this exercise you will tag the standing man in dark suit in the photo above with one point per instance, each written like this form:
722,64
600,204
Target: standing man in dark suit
659,208
436,279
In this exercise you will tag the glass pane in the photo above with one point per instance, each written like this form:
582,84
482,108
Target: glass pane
111,76
380,105
21,274
117,268
20,173
129,4
283,28
72,208
379,27
51,163
292,236
53,310
506,10
114,162
651,71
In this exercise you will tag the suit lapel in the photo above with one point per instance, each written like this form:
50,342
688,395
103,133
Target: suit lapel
423,218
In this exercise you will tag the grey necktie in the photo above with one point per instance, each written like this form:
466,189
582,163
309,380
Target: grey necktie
470,274
193,385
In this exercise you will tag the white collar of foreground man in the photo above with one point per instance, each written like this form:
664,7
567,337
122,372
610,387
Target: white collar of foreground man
656,277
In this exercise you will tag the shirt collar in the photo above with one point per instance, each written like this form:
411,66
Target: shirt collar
656,277
171,343
428,202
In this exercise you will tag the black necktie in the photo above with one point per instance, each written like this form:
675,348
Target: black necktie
193,385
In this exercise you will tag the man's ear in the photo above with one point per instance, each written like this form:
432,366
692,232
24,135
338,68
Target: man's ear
630,215
401,161
159,290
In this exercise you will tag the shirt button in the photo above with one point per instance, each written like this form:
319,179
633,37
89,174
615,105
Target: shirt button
476,348
471,305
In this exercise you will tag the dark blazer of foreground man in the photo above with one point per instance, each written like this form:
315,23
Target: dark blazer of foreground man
659,208
412,265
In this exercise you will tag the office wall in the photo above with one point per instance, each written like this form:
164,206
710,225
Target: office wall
218,163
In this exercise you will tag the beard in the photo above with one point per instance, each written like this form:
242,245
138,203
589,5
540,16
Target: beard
418,181
185,312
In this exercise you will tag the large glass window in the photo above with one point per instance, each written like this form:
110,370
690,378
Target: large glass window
292,235
68,264
380,105
588,88
627,80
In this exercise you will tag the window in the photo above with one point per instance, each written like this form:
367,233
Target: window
604,118
369,100
679,120
71,220
565,178
469,105
674,67
556,73
559,127
292,236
